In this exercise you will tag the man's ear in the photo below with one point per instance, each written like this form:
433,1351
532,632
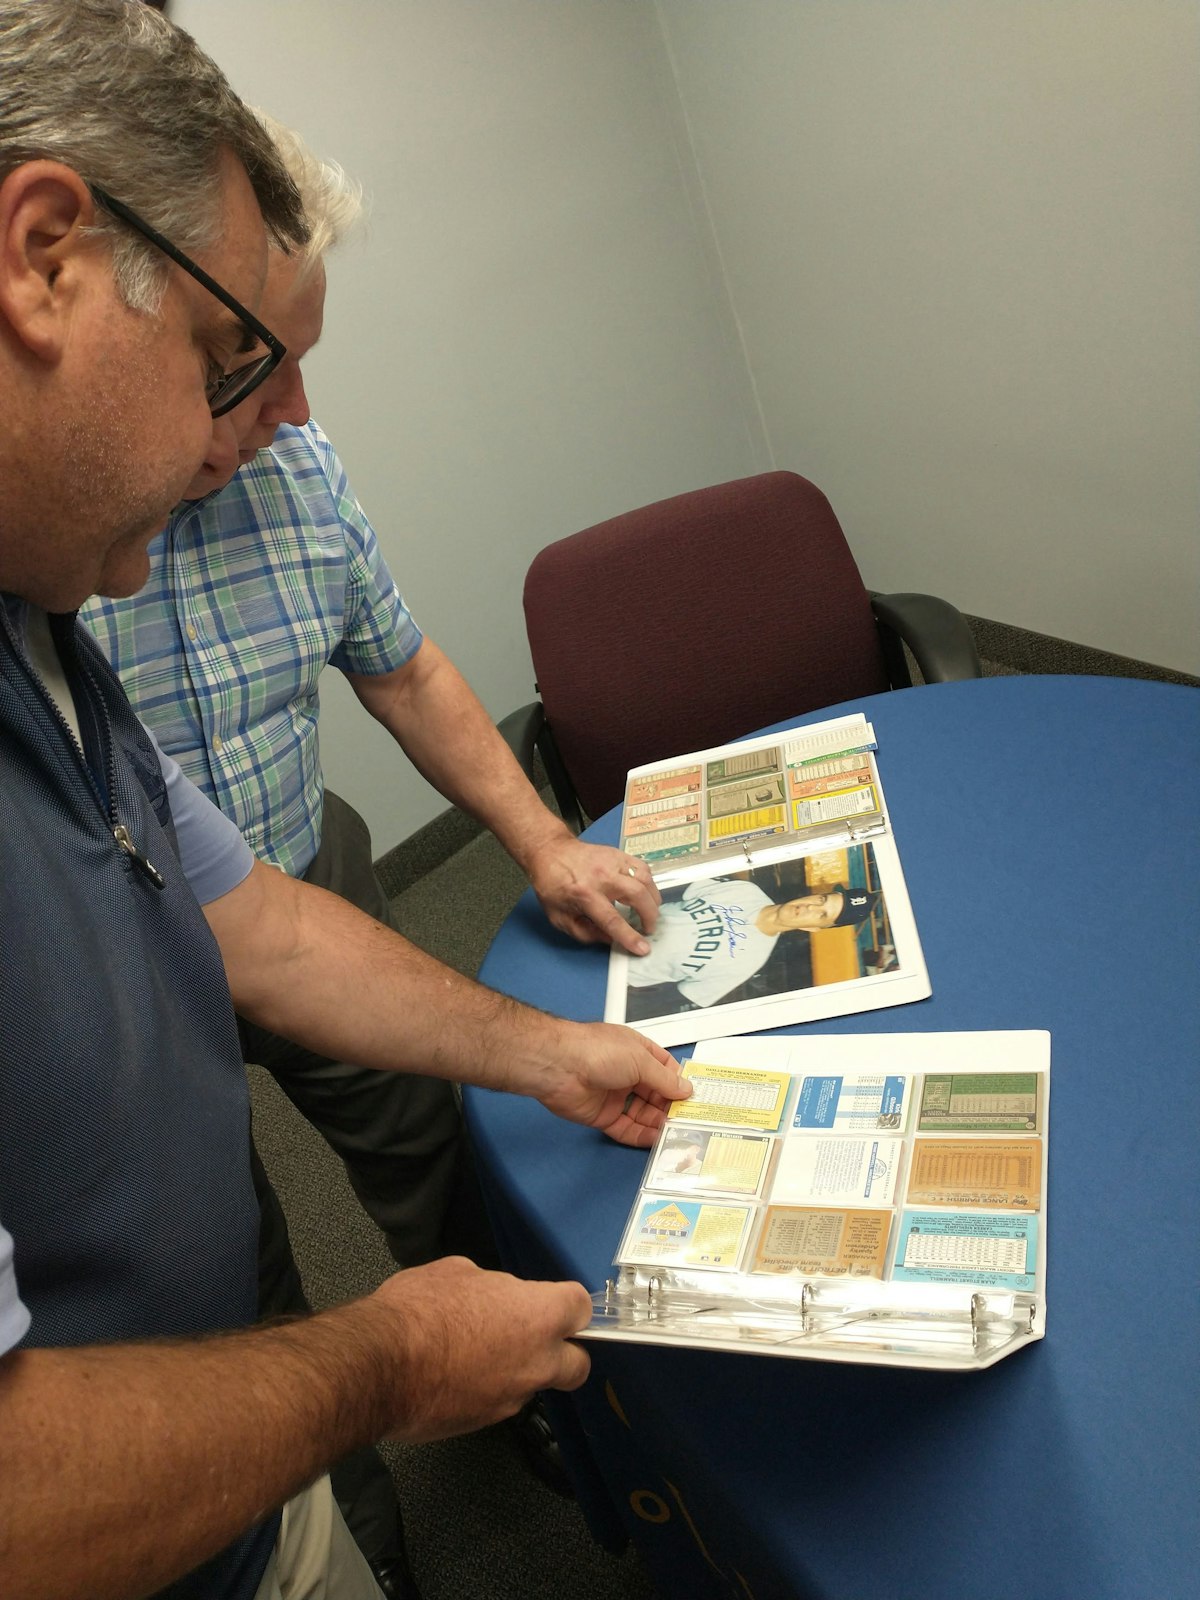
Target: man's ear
45,253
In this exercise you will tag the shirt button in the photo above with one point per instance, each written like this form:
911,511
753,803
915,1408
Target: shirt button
216,744
191,633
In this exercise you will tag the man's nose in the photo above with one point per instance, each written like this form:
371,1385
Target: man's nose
289,403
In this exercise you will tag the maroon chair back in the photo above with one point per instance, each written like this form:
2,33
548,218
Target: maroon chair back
695,621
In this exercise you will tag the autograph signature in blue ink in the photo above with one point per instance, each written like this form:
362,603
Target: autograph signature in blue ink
733,925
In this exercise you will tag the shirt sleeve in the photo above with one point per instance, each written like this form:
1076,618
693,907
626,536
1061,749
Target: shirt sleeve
379,634
14,1318
214,856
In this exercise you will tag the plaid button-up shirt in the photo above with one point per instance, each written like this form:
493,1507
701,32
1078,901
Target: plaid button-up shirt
252,592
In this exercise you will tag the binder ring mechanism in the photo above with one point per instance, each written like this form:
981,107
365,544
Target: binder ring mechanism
815,1315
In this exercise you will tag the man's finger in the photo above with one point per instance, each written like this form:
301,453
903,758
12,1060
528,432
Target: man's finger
575,1366
575,1311
661,1053
578,927
572,1311
642,898
639,1124
660,1071
616,929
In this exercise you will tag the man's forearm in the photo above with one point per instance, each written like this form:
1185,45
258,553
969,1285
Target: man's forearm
432,713
303,963
436,717
125,1466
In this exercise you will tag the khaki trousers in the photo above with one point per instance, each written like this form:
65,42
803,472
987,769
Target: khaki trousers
315,1557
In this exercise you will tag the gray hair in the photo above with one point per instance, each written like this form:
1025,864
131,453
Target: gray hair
113,90
333,201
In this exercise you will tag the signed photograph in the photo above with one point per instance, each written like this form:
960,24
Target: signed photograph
729,937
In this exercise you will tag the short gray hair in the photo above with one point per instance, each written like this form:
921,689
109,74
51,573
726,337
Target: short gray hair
333,201
131,102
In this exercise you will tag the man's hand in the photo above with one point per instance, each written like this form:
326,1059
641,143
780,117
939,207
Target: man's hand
611,1078
474,1346
577,884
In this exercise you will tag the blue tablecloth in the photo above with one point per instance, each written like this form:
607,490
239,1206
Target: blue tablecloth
1048,829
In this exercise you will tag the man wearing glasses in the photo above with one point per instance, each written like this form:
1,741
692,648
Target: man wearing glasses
146,1429
253,592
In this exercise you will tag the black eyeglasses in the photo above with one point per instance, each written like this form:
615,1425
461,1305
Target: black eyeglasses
229,390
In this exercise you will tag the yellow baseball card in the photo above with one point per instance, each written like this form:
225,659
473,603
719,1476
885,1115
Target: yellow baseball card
734,1097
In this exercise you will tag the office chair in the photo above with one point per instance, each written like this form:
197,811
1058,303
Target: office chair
698,619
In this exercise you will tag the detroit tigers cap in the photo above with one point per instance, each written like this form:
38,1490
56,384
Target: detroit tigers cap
857,905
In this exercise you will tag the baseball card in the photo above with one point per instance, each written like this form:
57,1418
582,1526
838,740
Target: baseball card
704,1158
678,1232
733,1097
815,1242
989,1252
837,1171
993,1174
981,1102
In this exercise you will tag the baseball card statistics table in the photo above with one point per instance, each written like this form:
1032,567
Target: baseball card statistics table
1049,833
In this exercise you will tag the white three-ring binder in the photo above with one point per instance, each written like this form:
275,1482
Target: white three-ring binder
867,1198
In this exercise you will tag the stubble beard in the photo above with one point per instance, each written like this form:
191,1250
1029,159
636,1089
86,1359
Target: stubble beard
117,493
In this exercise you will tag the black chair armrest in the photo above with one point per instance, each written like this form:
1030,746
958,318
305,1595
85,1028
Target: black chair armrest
934,630
519,730
527,730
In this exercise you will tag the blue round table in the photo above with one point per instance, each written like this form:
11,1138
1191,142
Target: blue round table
1049,830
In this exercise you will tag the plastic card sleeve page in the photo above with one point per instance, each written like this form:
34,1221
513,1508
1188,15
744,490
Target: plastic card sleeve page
869,1198
783,896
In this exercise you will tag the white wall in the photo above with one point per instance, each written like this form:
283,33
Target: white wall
529,338
961,238
939,255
